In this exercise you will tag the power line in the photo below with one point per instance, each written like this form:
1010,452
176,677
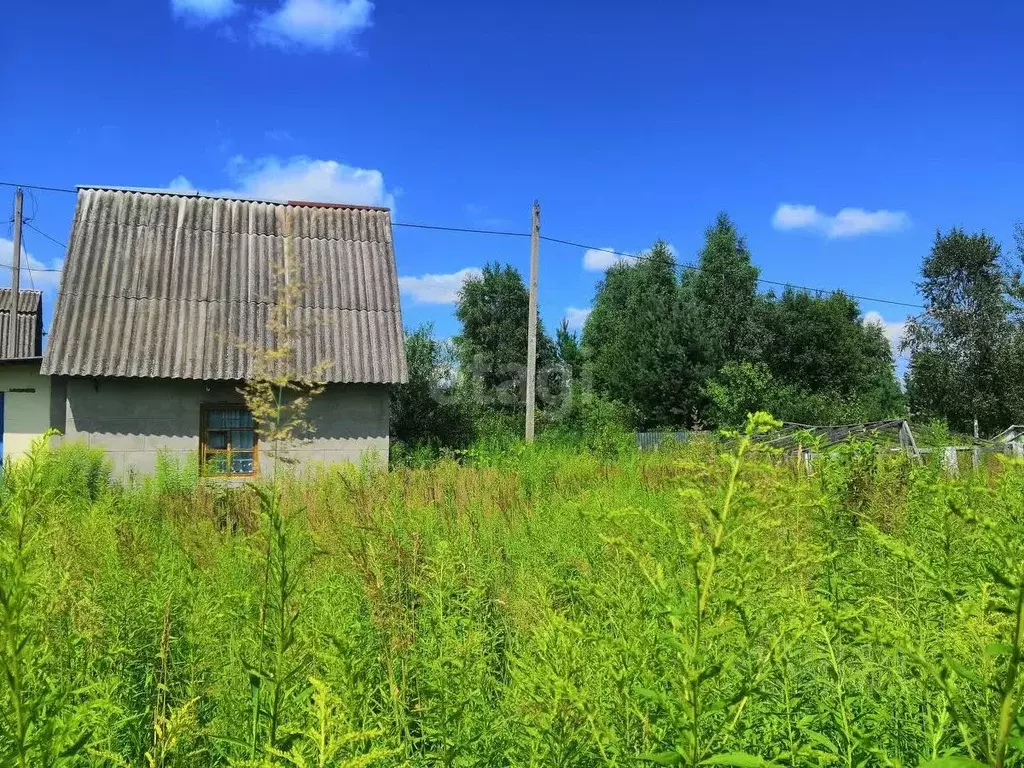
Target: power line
28,264
39,187
504,233
28,223
593,248
461,229
34,269
35,205
893,302
696,268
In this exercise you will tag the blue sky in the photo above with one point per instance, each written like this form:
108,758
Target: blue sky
838,137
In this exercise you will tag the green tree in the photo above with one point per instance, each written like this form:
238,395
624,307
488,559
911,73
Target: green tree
964,347
723,291
494,311
638,342
430,410
740,389
569,352
709,345
823,349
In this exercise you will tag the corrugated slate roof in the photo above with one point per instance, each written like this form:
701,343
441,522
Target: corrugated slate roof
30,323
167,285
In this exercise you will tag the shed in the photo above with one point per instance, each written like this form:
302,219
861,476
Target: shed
24,393
165,297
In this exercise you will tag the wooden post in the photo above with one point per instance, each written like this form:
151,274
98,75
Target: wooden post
949,462
531,339
908,442
12,327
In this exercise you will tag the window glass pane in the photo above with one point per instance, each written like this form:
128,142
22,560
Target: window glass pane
241,440
217,464
216,418
241,463
219,418
216,439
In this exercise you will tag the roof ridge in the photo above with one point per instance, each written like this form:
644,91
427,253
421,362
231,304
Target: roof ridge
227,196
7,288
356,206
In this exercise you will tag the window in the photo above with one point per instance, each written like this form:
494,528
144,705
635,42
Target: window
228,442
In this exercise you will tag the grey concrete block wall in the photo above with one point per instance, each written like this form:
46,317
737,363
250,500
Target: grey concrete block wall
135,419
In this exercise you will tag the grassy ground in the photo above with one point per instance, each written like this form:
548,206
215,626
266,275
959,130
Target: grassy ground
535,608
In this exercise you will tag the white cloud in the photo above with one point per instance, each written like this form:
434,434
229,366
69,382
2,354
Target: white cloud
856,221
576,317
323,181
181,184
320,24
205,10
848,222
32,275
300,178
600,259
437,289
893,329
789,216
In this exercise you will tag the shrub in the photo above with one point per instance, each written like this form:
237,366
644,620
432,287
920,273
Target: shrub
431,411
597,424
740,389
176,475
69,471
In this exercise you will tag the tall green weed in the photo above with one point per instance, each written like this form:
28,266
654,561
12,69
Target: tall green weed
530,606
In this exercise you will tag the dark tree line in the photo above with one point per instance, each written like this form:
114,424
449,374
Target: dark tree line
704,346
967,347
667,347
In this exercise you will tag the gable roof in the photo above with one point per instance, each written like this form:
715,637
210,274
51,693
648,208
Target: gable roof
30,323
166,285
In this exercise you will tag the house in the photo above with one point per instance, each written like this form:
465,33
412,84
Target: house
164,298
24,393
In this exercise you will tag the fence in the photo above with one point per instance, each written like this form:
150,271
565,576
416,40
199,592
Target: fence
790,437
1009,442
648,441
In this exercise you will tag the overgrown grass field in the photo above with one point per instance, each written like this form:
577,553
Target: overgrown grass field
706,604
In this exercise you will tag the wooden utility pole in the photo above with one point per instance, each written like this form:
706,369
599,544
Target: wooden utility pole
976,451
531,339
12,335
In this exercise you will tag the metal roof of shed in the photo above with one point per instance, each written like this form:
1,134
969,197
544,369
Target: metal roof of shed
173,285
30,323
